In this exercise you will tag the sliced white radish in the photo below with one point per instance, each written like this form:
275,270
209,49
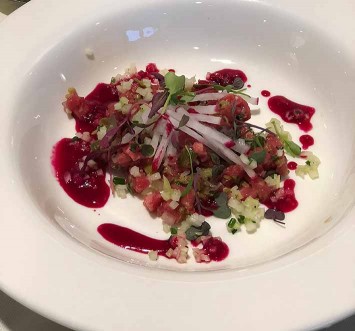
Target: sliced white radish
208,110
251,100
206,118
209,96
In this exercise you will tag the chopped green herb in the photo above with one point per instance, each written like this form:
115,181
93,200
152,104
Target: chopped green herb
259,157
308,162
232,222
119,181
147,150
241,219
113,80
173,230
234,231
75,138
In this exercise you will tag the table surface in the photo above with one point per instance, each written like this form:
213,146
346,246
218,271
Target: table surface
16,317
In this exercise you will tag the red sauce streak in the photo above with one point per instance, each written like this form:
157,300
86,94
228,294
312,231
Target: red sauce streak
226,76
151,67
86,188
292,165
132,240
97,101
292,112
216,249
306,140
229,144
284,199
265,93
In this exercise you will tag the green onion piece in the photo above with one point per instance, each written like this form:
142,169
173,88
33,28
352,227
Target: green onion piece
231,223
308,162
119,181
173,230
75,138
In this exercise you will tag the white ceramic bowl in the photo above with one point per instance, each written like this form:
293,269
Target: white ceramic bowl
279,51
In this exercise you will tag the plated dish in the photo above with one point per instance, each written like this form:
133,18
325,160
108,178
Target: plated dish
188,149
72,273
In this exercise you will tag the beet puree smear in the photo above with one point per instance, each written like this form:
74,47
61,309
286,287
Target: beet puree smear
132,240
86,188
97,101
126,238
292,112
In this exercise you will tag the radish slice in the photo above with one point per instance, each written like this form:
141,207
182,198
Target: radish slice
210,133
206,118
209,96
208,110
161,150
251,100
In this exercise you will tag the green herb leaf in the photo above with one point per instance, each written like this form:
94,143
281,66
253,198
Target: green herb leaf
175,84
95,146
173,230
259,157
223,210
147,150
190,183
184,120
187,97
194,232
308,162
119,181
215,158
133,147
291,148
217,170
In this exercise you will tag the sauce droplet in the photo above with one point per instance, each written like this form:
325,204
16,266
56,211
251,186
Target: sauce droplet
226,76
132,240
306,140
87,188
292,165
265,93
249,86
284,200
292,112
216,249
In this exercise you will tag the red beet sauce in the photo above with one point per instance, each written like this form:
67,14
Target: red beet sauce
216,249
292,112
226,76
265,93
84,187
97,100
306,140
284,199
292,165
132,240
